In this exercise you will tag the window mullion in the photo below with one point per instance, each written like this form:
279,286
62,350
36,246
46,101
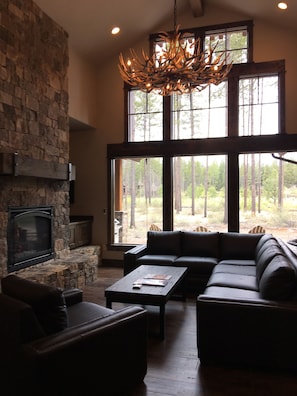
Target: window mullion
168,193
167,120
233,193
233,99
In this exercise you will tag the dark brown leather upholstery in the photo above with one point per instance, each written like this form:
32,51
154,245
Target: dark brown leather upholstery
100,351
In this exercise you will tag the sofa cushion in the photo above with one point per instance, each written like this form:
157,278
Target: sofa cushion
47,302
197,265
263,246
234,245
85,312
235,269
262,241
164,242
241,262
266,254
237,281
222,293
204,244
278,280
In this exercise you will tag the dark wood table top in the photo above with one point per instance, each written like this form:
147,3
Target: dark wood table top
123,291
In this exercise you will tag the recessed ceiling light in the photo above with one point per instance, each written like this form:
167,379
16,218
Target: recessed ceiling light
282,5
115,30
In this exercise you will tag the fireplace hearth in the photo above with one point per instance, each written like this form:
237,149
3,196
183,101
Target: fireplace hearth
30,236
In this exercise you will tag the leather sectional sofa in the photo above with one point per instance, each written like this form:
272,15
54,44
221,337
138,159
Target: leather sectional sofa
54,343
246,286
199,251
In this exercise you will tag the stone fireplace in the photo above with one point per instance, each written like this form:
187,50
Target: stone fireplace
34,131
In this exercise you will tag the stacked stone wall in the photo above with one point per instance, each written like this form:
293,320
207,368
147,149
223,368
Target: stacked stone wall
33,113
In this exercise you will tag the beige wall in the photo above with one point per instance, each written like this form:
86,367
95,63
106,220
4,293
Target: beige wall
82,90
104,94
273,43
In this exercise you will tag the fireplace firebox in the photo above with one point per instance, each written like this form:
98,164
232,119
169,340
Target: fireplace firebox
29,236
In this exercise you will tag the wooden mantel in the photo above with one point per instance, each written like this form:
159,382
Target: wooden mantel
14,164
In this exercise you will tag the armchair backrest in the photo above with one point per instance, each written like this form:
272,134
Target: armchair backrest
47,302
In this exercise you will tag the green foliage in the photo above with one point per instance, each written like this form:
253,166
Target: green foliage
149,210
290,175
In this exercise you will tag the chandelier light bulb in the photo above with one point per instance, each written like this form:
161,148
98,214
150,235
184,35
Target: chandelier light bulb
282,5
115,30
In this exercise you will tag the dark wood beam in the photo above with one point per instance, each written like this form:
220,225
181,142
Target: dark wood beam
17,165
224,145
197,7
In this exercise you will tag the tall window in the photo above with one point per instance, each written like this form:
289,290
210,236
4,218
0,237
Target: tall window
200,158
145,116
234,41
199,193
259,105
200,114
138,183
268,193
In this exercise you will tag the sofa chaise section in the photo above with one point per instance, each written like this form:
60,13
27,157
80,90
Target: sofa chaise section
247,315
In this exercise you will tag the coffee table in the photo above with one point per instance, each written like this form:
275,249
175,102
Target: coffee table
122,291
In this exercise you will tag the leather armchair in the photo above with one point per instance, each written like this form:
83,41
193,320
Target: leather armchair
54,343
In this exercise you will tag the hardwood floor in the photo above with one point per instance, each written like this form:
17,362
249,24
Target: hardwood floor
173,366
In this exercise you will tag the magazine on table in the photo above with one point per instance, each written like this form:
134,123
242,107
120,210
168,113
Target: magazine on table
153,280
157,276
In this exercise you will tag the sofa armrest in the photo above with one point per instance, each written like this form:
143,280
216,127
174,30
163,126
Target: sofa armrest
73,296
93,354
131,256
137,251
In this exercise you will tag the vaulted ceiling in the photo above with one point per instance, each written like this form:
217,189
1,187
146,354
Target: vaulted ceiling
88,22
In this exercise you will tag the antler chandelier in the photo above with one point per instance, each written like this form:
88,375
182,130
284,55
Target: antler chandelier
178,66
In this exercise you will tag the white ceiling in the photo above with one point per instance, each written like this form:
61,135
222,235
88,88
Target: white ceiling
88,22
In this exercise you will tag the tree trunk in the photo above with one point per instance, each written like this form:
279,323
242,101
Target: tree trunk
133,194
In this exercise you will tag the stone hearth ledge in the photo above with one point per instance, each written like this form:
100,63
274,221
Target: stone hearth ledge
77,269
